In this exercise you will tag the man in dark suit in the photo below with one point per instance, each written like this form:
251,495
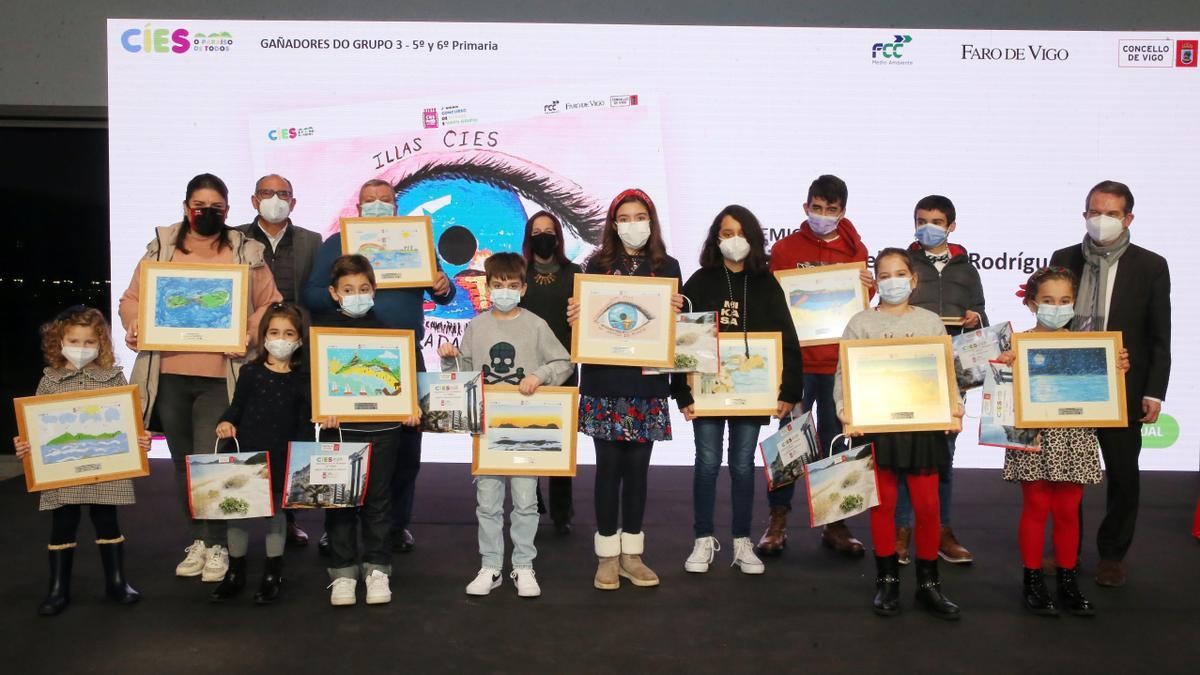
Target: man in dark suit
289,253
1122,287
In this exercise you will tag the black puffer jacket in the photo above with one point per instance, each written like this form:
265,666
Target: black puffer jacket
950,292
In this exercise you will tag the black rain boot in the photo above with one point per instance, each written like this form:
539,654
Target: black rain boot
234,581
59,594
112,554
1069,595
1036,595
268,590
929,591
887,585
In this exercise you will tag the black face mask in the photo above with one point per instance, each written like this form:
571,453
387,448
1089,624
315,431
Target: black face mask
207,221
544,245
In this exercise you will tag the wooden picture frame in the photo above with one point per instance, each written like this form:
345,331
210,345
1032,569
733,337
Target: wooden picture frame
1085,391
740,388
509,446
81,437
605,334
363,374
822,299
193,307
400,249
898,384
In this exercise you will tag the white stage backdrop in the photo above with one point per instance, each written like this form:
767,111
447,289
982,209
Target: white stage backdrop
481,124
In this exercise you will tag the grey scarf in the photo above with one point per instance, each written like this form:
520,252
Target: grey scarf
1093,284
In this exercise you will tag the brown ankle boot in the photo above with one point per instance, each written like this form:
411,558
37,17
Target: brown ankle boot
632,567
837,536
903,538
775,538
608,552
950,550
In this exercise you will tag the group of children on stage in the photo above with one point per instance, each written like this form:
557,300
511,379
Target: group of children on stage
624,411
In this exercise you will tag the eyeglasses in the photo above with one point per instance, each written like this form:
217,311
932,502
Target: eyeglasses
267,194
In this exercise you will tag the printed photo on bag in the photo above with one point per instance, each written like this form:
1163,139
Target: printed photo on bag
842,486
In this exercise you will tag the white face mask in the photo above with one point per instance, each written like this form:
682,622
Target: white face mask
281,349
1104,228
634,234
735,249
274,210
80,356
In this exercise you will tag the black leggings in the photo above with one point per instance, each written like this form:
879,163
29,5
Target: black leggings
65,522
621,468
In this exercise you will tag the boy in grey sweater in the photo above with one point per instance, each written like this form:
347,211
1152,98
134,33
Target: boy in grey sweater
515,347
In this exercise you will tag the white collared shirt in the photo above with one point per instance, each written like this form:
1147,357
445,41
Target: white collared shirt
274,240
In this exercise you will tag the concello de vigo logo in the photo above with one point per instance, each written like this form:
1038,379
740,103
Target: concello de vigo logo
152,40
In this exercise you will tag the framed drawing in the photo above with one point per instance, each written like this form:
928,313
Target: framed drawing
900,384
230,485
624,321
997,414
822,299
326,475
451,402
363,375
748,380
1068,380
400,249
192,307
527,435
842,485
80,438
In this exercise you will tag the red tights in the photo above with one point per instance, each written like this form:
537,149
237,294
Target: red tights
1042,499
923,490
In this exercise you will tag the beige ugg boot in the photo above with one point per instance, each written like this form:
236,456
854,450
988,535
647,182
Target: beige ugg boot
608,551
632,567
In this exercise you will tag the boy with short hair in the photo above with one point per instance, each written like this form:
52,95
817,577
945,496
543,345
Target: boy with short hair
949,285
511,346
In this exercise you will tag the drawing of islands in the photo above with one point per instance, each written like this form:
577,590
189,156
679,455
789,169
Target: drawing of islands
363,371
193,302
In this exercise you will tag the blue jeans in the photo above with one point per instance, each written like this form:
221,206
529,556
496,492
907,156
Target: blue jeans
523,521
904,510
818,389
743,438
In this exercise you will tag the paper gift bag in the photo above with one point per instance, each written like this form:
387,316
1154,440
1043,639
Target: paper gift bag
997,414
326,475
842,485
230,485
696,345
451,402
785,452
974,349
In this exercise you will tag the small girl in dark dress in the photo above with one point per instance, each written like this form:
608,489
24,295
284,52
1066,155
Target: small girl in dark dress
271,407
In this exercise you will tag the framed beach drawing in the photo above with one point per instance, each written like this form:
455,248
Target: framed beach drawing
192,307
1068,380
230,485
747,383
624,321
80,438
822,299
899,384
400,249
363,375
326,475
527,435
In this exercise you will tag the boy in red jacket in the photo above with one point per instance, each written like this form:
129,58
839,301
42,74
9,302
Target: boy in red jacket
827,237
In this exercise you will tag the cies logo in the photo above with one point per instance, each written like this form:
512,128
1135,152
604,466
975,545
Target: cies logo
891,52
289,133
150,40
1185,53
429,117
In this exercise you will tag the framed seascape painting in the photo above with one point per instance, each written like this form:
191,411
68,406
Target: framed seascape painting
326,475
451,402
1068,380
747,383
527,435
80,438
822,299
624,321
900,384
230,485
400,249
193,307
363,375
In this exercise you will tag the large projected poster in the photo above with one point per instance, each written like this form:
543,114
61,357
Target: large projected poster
480,125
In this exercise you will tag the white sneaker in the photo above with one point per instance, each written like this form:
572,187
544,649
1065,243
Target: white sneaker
193,563
217,564
379,591
343,592
526,582
743,557
702,555
484,581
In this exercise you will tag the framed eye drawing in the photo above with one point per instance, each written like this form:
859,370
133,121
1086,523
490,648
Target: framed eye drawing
624,321
1068,380
192,307
363,375
747,382
527,435
399,248
899,384
822,299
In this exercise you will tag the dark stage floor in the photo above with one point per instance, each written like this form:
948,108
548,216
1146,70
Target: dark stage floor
809,613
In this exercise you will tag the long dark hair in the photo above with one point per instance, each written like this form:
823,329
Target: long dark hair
205,181
560,255
756,261
611,247
292,313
